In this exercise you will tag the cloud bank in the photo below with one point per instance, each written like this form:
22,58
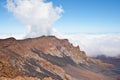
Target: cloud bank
7,35
97,44
37,15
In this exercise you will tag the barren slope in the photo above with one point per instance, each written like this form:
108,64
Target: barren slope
48,56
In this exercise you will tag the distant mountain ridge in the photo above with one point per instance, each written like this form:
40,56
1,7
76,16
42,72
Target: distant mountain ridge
49,58
115,61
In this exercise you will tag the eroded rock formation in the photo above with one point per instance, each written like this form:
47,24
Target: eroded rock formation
49,58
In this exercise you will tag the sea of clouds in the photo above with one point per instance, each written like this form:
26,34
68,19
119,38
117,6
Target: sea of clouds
97,44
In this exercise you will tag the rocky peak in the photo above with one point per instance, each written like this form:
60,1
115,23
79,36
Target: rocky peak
48,58
6,42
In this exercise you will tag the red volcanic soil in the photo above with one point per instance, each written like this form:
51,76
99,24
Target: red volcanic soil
49,58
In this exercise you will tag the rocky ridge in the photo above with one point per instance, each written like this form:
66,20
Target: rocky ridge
49,58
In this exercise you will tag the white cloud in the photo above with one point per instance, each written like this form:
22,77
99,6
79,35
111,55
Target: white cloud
17,36
37,15
97,44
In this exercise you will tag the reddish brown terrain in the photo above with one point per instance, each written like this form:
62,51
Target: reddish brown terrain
115,61
49,58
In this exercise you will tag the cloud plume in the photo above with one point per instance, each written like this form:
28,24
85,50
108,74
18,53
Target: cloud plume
37,15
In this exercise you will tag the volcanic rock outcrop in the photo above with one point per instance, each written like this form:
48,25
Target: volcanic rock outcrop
49,58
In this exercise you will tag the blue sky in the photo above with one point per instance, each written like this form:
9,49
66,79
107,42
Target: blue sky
80,16
8,23
90,16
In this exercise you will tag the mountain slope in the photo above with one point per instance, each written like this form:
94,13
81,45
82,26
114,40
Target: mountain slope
52,58
115,61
